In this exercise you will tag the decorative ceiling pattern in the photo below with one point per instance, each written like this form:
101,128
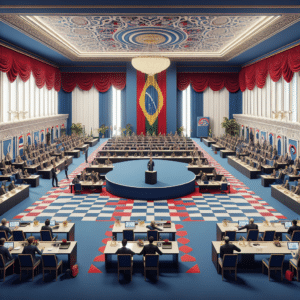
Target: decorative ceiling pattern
94,37
122,34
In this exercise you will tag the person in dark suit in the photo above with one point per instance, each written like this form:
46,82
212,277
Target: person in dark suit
5,252
249,226
86,154
228,248
293,227
54,176
3,227
66,169
124,249
48,227
150,248
2,190
30,249
11,186
150,164
75,180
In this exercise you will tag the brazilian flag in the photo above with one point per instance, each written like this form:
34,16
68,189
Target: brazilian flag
151,104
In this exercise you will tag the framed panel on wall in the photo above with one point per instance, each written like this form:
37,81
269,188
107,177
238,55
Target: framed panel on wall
279,145
293,146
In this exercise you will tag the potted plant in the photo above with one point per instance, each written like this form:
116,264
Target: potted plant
102,130
77,128
180,130
128,129
231,126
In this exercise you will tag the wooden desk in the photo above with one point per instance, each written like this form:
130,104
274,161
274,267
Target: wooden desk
266,180
92,142
226,152
286,197
100,168
278,227
88,184
242,167
196,169
143,229
69,230
247,252
75,153
208,142
111,250
71,251
12,198
33,180
211,184
216,147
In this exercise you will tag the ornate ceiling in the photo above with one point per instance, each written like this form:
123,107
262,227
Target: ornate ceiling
94,37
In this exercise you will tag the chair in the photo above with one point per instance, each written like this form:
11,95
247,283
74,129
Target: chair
275,262
269,235
46,235
252,235
27,264
153,233
223,187
77,188
50,263
295,263
228,263
151,262
231,235
128,234
3,234
4,266
295,236
125,262
18,235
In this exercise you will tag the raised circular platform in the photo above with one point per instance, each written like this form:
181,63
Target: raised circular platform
127,180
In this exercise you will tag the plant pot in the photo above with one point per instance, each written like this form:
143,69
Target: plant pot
216,152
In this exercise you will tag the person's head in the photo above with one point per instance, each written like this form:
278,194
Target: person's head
54,164
124,242
47,222
226,239
152,223
151,239
294,222
30,239
251,221
2,241
4,221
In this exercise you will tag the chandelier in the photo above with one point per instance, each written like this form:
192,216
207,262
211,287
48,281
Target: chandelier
150,64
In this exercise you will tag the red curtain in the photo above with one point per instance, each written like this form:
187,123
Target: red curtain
284,65
85,81
216,81
14,64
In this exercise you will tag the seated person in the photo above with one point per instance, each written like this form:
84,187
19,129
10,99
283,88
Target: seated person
286,185
295,172
204,177
26,174
228,248
152,226
3,227
48,227
5,252
223,179
205,162
150,248
2,164
30,249
273,173
249,226
11,186
124,249
293,227
2,190
41,166
297,190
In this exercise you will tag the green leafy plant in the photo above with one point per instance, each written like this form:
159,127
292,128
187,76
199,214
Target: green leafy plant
103,129
180,129
77,128
231,126
128,129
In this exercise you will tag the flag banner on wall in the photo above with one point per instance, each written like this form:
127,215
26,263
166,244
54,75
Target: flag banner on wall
21,145
28,138
42,135
202,126
7,147
36,137
293,149
279,143
271,138
263,135
257,134
151,103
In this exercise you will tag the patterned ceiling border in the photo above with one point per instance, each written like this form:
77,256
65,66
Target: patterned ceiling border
43,37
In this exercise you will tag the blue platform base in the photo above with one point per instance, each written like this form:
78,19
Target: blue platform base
127,180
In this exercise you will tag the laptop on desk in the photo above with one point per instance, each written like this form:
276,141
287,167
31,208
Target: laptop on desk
294,246
130,225
243,223
287,225
24,224
9,245
14,224
64,246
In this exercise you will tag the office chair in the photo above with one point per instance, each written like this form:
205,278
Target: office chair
231,235
125,262
4,266
18,235
252,235
3,234
27,264
128,234
295,263
228,263
46,235
269,235
151,262
50,263
77,188
273,264
153,233
295,236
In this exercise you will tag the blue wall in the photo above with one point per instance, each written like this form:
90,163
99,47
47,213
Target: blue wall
171,98
65,107
235,103
131,96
